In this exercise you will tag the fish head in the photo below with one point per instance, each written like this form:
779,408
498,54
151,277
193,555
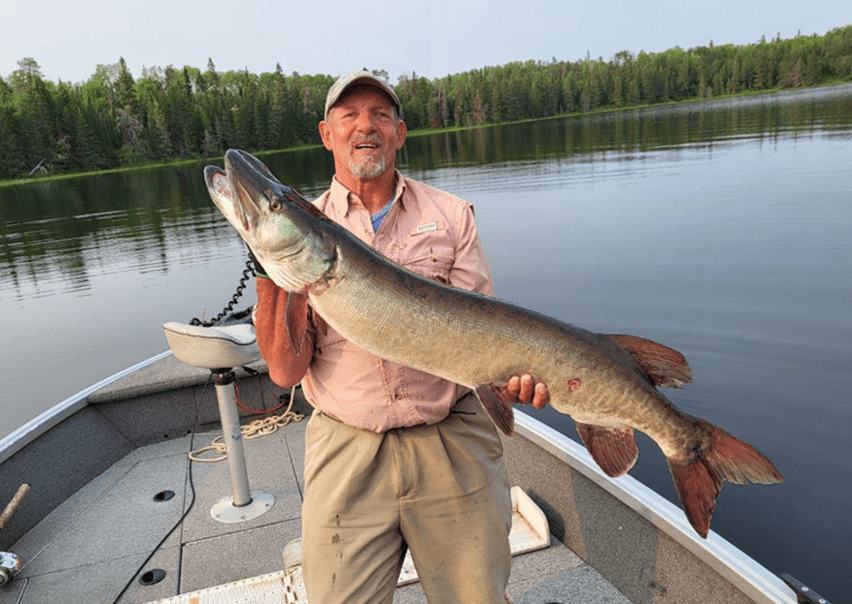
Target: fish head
250,197
278,224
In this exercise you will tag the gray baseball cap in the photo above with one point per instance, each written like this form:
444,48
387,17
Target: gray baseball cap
359,77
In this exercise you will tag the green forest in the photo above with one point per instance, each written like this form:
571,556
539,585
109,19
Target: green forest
114,120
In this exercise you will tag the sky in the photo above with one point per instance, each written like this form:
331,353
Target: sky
431,38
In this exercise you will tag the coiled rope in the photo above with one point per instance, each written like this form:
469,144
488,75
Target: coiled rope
255,429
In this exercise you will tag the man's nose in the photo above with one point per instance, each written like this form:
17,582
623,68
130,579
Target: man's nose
365,122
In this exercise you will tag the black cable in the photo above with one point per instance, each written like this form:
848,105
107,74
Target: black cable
185,513
248,271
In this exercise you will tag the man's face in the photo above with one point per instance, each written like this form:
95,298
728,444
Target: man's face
363,133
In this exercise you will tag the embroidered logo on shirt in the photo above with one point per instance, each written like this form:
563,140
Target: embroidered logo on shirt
424,228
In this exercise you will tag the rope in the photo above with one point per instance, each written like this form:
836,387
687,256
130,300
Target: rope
256,411
256,429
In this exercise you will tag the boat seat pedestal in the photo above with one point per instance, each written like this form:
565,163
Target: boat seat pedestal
221,348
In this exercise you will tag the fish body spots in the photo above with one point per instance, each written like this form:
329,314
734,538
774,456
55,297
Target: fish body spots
573,385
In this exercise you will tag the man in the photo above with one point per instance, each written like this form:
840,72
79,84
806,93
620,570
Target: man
394,458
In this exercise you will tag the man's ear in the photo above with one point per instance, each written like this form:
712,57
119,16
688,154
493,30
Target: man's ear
401,131
326,134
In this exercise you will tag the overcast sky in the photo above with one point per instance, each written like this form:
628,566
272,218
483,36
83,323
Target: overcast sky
429,37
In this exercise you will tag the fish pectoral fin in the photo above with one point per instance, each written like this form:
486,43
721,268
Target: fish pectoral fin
665,366
499,409
614,449
297,320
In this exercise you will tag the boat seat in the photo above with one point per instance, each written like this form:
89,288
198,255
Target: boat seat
217,347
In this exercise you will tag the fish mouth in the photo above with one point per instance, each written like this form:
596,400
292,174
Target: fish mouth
237,189
245,191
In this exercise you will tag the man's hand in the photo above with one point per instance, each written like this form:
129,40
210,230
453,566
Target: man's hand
523,389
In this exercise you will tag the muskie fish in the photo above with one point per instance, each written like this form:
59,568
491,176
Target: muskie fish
606,383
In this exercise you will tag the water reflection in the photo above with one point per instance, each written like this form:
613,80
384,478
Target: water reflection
644,130
52,230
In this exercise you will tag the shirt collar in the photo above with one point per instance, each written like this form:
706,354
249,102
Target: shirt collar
340,195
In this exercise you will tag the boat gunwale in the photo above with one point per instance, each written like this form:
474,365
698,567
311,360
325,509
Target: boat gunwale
741,570
39,425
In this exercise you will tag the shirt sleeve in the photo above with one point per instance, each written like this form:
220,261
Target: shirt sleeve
470,269
286,368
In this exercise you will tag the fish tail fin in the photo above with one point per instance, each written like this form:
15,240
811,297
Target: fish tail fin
699,481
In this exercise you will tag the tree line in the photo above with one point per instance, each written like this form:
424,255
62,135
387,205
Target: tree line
114,120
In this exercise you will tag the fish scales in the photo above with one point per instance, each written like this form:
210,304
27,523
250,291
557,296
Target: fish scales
429,314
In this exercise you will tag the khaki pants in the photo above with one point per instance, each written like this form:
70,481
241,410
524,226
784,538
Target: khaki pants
440,490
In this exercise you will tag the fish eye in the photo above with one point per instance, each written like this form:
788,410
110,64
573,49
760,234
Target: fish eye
275,205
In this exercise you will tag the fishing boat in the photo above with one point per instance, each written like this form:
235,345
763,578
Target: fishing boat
120,494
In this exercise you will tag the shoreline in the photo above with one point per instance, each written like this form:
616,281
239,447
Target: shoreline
411,134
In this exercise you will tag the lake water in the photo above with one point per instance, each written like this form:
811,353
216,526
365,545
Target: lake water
722,229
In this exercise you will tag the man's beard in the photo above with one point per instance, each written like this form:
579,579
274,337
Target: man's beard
368,167
371,165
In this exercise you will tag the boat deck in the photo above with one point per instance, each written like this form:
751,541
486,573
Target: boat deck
91,546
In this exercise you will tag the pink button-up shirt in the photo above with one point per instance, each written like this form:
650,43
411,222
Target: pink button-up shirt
433,234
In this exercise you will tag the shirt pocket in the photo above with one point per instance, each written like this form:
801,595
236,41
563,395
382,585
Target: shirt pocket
429,251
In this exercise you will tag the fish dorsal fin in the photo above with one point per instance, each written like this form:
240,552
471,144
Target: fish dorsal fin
665,366
614,449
